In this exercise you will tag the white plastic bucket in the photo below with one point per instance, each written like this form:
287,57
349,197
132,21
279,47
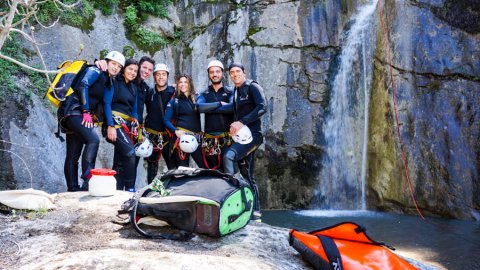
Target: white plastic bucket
102,183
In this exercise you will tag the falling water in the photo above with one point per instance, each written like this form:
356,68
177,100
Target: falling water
365,125
342,180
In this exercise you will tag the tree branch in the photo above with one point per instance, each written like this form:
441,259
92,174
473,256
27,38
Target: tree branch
26,36
25,10
8,23
35,44
25,18
8,58
44,26
65,5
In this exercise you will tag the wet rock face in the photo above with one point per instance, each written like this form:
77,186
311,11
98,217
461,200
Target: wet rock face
35,156
291,49
459,14
437,69
9,109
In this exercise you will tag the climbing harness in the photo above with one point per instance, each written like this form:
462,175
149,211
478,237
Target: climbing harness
159,138
176,145
120,120
212,145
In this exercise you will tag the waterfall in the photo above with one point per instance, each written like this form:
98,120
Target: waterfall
343,175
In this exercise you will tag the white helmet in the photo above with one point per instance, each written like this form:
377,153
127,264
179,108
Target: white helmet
117,57
144,149
243,136
159,67
215,63
188,143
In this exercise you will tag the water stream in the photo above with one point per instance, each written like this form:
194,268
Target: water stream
342,180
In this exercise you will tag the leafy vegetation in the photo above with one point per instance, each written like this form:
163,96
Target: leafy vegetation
9,72
105,6
103,53
128,52
136,12
81,16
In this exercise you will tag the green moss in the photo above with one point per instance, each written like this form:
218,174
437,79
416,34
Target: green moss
187,51
435,85
178,33
253,30
81,16
154,7
103,53
150,39
10,71
136,12
131,19
106,6
47,13
384,174
128,51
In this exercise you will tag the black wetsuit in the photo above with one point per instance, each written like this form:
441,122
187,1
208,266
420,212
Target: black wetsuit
143,88
87,98
183,112
156,103
122,100
249,105
217,126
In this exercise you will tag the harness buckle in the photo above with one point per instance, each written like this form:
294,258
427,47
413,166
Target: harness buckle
119,120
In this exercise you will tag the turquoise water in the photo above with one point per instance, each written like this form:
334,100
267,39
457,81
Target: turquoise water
446,243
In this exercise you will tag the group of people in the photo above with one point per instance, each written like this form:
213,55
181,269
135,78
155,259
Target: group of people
114,93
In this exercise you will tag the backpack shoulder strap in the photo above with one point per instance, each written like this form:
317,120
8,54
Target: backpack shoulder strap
249,82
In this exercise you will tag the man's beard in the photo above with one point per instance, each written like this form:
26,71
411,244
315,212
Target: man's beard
216,82
161,86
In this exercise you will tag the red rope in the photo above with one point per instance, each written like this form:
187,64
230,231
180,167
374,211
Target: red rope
180,153
204,155
394,92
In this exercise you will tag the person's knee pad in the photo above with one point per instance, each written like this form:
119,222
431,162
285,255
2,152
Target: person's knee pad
229,156
229,162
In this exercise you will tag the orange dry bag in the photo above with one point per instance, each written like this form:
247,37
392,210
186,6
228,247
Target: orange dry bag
345,246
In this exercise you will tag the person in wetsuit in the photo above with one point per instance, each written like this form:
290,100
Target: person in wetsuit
249,104
183,110
156,102
120,107
216,138
80,110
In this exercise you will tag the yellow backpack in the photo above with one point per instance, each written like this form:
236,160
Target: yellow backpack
63,82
